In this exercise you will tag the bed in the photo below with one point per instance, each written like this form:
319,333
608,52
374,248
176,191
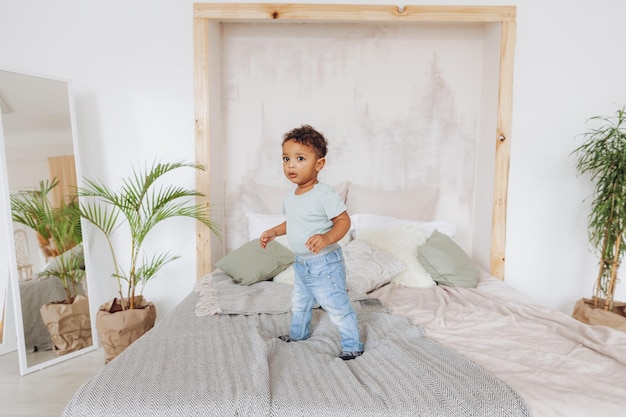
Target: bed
466,345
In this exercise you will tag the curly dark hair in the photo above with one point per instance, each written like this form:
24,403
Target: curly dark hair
306,135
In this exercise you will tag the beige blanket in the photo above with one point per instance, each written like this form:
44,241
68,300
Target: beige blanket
561,367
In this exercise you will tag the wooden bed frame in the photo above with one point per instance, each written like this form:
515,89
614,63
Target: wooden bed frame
209,17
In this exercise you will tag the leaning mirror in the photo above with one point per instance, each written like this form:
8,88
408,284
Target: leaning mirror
4,292
47,262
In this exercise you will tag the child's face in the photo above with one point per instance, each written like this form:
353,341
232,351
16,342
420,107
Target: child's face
301,164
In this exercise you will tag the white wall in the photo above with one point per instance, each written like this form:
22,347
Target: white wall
131,63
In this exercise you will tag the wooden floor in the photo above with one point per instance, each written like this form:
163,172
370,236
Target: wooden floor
43,393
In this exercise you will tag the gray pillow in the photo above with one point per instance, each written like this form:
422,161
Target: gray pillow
251,263
447,262
368,267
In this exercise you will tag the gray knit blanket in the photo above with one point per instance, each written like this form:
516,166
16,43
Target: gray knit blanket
219,294
234,365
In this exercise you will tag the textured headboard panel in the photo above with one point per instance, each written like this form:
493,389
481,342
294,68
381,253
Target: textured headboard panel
412,112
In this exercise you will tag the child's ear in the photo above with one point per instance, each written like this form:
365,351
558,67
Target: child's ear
320,164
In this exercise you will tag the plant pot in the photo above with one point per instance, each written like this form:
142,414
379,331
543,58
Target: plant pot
585,312
118,329
69,325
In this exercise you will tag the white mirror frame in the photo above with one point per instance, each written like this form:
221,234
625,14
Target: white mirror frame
8,341
5,212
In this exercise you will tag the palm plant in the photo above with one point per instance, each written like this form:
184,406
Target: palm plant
59,227
603,157
141,204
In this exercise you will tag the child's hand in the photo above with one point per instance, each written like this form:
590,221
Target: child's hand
267,237
317,242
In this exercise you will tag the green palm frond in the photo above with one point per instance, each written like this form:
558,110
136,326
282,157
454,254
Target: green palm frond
150,267
61,226
602,157
141,203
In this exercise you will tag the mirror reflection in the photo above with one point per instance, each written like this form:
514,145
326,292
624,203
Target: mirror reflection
3,305
47,237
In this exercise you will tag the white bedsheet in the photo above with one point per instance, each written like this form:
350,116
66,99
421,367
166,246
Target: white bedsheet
561,367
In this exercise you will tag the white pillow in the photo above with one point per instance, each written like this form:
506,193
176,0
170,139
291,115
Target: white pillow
367,268
258,223
271,197
75,254
401,242
407,204
375,221
286,277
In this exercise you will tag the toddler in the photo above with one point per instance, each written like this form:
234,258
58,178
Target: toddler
316,219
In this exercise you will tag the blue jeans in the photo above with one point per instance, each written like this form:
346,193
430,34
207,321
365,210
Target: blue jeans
322,279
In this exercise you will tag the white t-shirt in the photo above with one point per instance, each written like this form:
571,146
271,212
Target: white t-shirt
309,214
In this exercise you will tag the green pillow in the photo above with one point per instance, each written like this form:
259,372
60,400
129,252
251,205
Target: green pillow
251,263
447,263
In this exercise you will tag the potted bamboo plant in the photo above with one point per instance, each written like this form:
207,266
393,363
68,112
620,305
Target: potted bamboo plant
59,232
142,202
602,156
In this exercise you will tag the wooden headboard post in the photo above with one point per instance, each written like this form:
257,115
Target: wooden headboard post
503,149
209,17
